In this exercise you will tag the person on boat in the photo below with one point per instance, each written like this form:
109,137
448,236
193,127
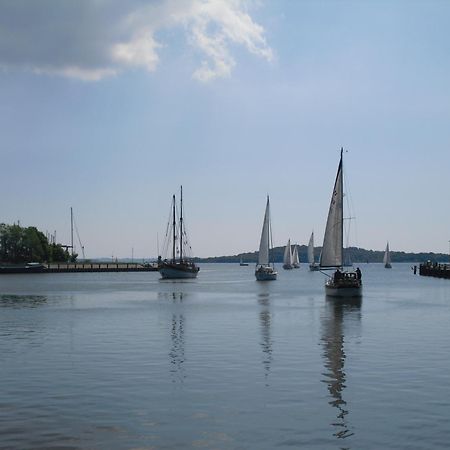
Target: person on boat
337,275
358,273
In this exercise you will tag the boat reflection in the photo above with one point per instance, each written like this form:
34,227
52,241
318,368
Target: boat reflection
177,326
338,318
265,319
22,301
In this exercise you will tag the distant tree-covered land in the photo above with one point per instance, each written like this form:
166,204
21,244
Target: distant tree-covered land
351,254
27,244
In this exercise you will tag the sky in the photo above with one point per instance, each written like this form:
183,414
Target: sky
109,106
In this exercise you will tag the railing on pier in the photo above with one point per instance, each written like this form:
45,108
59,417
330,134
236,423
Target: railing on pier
100,267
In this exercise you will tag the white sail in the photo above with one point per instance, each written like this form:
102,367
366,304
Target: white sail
263,256
311,249
387,255
331,255
295,258
287,260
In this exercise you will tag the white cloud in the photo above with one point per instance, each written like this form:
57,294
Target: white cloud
76,72
90,40
139,51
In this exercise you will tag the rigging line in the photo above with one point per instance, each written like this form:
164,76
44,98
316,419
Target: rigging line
350,209
78,236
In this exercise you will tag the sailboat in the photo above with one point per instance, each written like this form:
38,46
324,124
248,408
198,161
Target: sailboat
312,263
342,283
387,258
242,263
181,266
287,258
295,258
265,269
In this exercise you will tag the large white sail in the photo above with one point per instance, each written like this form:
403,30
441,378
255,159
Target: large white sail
263,256
295,258
311,249
387,255
331,255
287,260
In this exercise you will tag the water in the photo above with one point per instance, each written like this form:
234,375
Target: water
126,361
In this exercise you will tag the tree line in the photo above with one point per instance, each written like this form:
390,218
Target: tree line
28,244
351,254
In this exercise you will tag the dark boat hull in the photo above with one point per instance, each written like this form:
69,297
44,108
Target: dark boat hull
265,273
178,270
27,268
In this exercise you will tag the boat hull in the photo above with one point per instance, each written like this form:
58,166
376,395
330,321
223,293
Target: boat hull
314,267
344,284
387,266
266,274
343,291
171,271
25,268
287,267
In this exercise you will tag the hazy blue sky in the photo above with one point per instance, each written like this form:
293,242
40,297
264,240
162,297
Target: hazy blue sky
108,106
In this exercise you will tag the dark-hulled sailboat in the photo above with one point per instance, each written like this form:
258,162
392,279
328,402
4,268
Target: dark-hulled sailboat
179,266
341,283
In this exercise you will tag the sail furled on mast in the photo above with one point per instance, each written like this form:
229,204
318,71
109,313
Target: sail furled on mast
264,245
332,250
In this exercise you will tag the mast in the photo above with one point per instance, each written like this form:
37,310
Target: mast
181,223
71,229
342,206
173,228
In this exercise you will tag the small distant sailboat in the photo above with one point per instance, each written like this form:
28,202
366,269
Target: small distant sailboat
242,263
387,258
295,258
287,258
177,267
342,283
312,263
265,269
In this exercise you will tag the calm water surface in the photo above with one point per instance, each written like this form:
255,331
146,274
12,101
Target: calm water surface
127,361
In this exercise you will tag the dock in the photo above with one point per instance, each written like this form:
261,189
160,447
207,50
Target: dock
79,268
433,269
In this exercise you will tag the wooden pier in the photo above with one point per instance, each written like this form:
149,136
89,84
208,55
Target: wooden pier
437,270
80,268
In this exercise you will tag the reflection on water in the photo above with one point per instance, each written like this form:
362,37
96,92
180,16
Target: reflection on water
22,301
177,350
337,314
176,297
176,327
265,318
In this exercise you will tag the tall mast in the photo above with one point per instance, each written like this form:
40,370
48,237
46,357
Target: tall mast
173,227
342,204
71,229
269,234
181,223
